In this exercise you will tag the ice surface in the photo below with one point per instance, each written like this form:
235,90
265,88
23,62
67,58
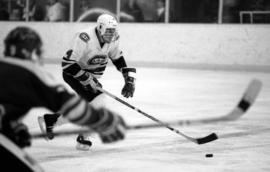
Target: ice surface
169,94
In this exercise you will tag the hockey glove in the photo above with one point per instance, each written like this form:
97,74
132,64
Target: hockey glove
89,82
129,87
110,127
18,133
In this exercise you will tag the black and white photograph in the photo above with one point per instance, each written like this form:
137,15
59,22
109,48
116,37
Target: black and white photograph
135,85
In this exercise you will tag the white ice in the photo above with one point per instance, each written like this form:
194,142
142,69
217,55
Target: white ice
169,94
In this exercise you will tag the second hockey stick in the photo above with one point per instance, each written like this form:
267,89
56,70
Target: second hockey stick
203,140
246,101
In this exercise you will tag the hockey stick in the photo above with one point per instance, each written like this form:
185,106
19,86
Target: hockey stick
202,140
247,100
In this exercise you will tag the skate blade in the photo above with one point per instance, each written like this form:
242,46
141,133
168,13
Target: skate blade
41,124
82,147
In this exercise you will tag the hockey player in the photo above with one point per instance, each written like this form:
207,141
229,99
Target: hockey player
85,62
24,85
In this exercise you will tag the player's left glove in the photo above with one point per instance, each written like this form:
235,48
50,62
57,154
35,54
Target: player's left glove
129,76
18,133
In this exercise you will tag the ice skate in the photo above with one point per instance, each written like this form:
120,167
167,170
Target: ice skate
46,124
83,143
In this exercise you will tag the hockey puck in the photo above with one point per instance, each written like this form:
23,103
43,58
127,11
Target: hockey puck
209,155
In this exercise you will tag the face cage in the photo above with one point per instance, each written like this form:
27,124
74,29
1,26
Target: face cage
109,34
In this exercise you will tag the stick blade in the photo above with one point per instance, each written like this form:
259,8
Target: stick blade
207,139
250,95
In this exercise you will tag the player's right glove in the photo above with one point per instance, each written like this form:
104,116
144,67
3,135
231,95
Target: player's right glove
110,127
89,82
129,87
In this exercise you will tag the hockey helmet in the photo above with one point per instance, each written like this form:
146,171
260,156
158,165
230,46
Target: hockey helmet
107,26
20,39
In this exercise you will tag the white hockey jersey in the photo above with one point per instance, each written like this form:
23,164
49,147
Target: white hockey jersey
87,52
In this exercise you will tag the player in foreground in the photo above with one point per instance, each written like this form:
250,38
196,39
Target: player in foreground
24,85
85,62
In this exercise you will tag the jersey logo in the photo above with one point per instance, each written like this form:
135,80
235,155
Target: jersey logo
84,37
99,59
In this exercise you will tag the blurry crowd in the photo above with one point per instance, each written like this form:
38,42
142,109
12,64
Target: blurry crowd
185,11
33,10
233,7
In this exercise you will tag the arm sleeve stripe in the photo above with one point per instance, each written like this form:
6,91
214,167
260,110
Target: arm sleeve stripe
87,81
132,74
101,120
84,77
68,60
106,121
85,117
79,74
76,111
119,63
98,73
71,102
65,64
79,113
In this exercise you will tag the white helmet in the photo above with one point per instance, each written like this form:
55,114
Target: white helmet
107,22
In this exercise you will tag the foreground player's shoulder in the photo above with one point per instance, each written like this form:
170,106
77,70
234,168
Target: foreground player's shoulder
29,70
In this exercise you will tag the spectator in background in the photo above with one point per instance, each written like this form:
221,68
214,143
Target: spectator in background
160,12
131,7
17,11
84,6
210,11
55,11
253,5
267,8
4,15
230,11
35,13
